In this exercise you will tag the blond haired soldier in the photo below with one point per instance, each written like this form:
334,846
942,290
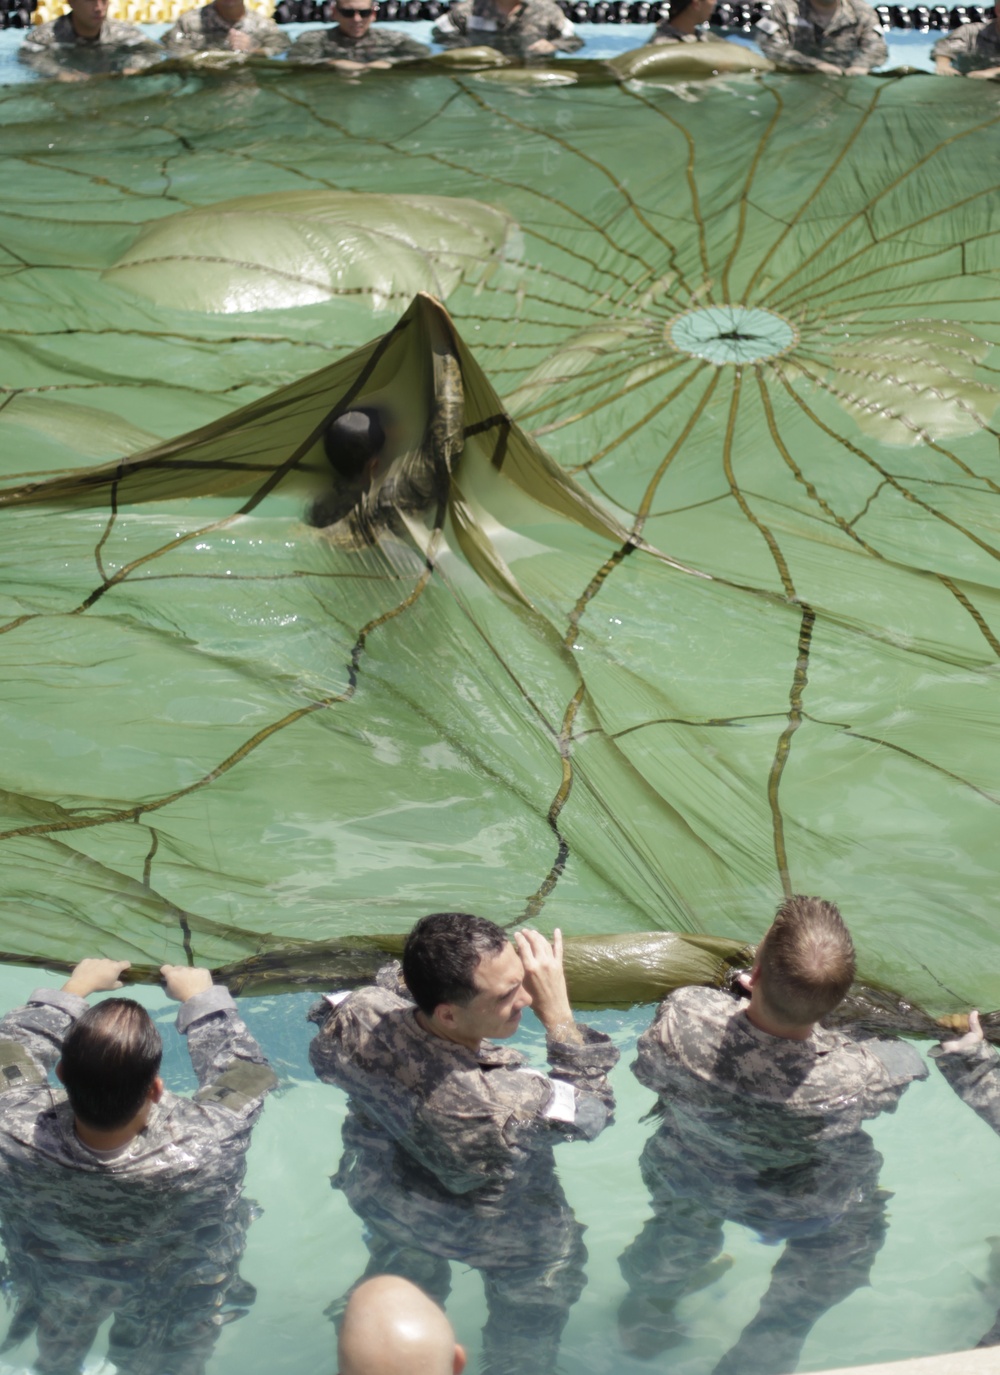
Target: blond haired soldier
761,1125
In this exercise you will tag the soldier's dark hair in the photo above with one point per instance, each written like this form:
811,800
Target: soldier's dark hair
441,955
678,7
352,440
806,960
109,1061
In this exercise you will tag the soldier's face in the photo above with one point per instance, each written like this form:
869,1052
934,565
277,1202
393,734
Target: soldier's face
356,17
88,16
495,1012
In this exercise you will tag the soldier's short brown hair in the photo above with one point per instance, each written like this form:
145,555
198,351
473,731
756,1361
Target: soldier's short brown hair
806,960
441,955
109,1061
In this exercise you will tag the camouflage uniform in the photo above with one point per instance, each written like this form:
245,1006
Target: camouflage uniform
666,33
56,47
204,30
765,1132
974,1074
448,1156
378,45
790,36
971,47
152,1232
480,24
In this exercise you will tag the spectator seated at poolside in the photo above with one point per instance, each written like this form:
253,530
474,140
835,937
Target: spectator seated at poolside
353,44
837,37
225,26
391,1327
516,28
760,1124
85,43
118,1197
687,23
970,50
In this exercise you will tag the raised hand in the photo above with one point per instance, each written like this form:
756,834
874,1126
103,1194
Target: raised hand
545,980
95,976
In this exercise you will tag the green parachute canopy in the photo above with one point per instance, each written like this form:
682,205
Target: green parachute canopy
675,587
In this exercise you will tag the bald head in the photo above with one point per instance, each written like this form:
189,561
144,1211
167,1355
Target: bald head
391,1327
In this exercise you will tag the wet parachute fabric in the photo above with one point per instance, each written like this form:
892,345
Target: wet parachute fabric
675,587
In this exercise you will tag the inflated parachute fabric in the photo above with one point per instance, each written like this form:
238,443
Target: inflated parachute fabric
675,590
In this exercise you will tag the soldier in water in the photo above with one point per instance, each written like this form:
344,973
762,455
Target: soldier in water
85,43
116,1196
449,1136
972,1067
761,1111
355,42
225,26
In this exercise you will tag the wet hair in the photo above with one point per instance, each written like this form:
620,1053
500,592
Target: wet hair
441,955
351,440
677,7
806,960
109,1061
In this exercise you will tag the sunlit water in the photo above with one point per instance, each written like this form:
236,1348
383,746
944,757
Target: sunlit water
926,1293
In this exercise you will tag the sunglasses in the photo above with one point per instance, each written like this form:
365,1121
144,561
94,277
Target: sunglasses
355,14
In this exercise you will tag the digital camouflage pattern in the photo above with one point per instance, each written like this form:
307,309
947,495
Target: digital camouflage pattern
448,1156
971,47
55,47
480,23
377,45
666,33
765,1132
974,1074
790,36
204,30
152,1233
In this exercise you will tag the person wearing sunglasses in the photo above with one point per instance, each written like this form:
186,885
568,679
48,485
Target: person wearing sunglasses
352,44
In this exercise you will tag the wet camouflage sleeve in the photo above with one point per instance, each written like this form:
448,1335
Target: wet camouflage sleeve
465,1116
851,39
37,1030
230,1065
202,30
970,48
378,45
974,1074
474,23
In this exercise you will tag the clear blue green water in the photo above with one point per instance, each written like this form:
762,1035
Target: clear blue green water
307,1248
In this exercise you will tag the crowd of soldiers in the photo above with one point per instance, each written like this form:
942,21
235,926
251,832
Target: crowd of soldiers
120,1199
836,37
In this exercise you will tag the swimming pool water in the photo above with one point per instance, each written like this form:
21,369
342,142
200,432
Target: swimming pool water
931,1289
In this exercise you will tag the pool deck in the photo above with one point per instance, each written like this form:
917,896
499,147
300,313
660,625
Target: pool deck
984,1362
